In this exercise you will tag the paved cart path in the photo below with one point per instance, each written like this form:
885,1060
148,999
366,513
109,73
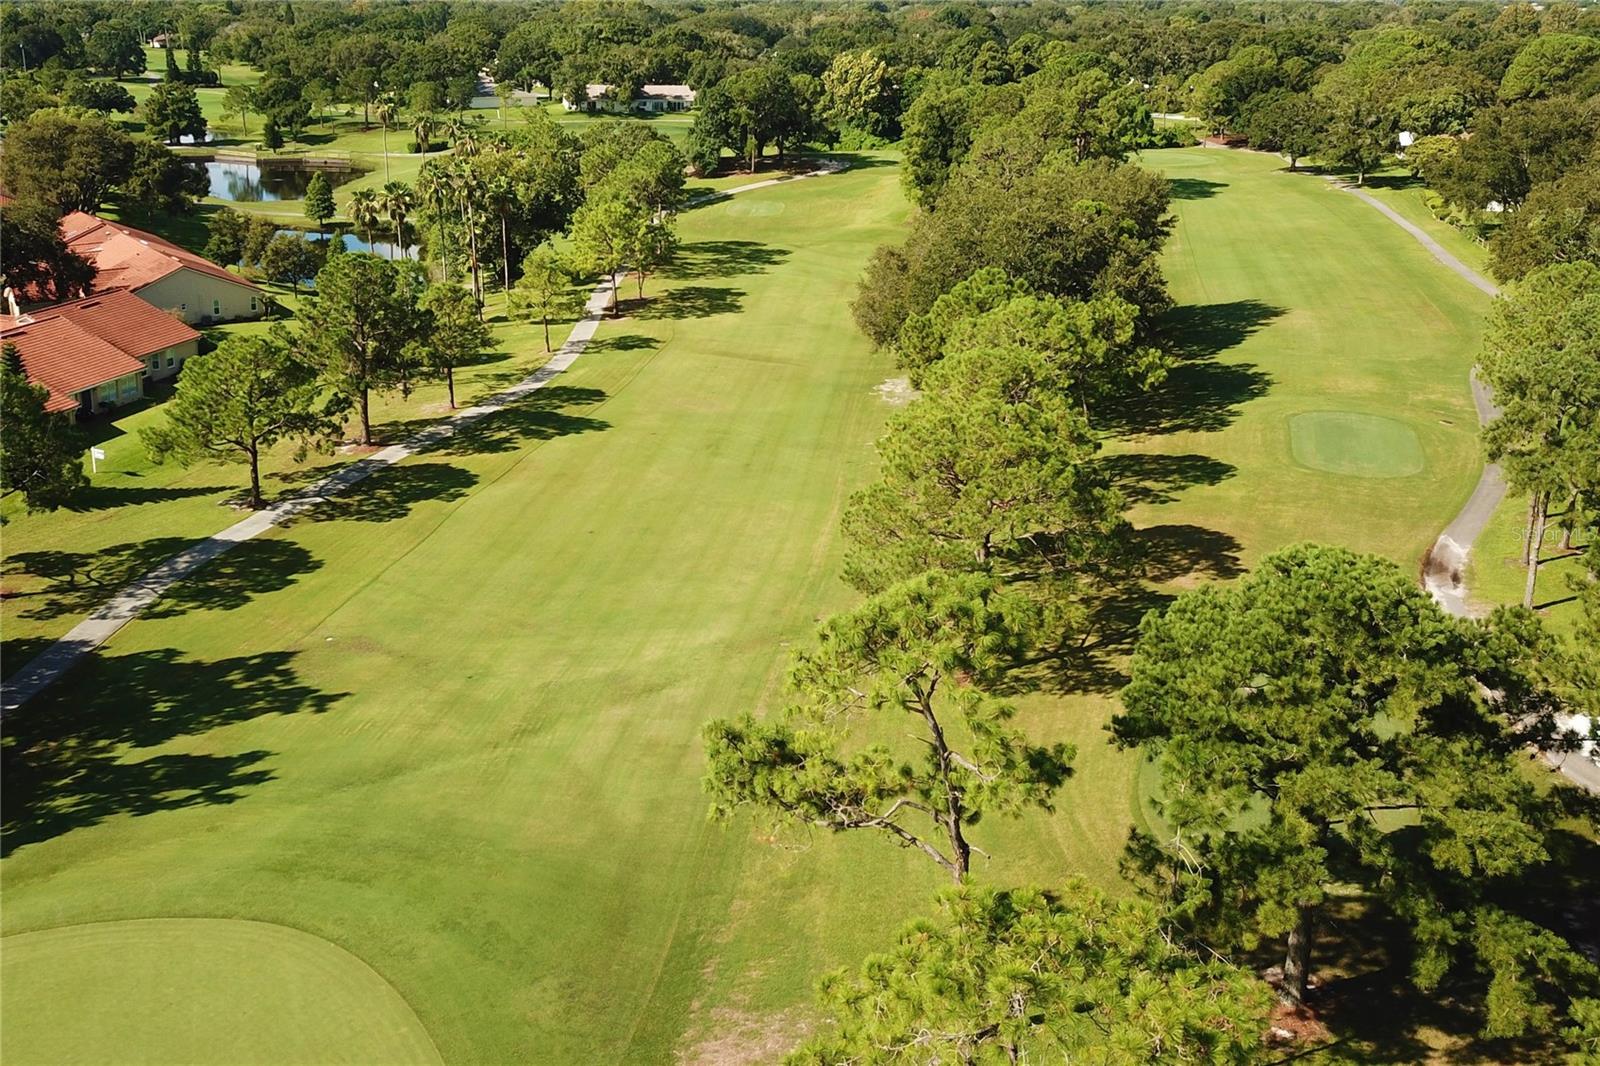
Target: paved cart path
131,600
1443,570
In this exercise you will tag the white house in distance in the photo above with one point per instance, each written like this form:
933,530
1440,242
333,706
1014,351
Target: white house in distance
159,272
652,98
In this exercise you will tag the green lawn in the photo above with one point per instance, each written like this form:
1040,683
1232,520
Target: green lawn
61,565
1301,306
1399,190
164,983
450,724
1495,573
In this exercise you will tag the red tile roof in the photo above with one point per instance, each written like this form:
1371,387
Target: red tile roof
132,258
83,343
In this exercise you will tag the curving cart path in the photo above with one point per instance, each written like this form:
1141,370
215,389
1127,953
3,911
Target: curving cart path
1447,559
130,601
1444,567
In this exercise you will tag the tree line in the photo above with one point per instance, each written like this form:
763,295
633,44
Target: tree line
1321,728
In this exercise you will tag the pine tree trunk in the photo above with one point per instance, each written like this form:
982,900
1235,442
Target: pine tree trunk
1297,960
1527,528
366,421
616,306
546,321
1533,557
255,480
450,384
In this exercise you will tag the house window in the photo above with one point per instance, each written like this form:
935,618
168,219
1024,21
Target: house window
216,308
172,360
183,309
155,361
252,304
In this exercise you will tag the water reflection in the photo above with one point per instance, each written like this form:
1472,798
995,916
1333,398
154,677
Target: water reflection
251,183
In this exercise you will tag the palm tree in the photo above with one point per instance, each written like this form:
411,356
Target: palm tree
422,127
434,193
500,196
386,113
365,211
397,201
467,185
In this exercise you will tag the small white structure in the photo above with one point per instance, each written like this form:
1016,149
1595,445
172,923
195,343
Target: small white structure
655,99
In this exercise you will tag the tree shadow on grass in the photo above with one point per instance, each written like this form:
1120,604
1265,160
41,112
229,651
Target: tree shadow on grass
103,497
690,301
722,259
68,583
627,342
1097,662
391,493
1194,188
1154,478
1200,331
542,415
71,758
1200,394
1393,181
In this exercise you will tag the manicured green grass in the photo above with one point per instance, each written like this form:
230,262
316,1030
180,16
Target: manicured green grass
61,565
172,990
1296,298
1399,190
1357,445
450,724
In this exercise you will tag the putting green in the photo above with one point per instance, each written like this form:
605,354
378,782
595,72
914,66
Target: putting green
198,990
1358,445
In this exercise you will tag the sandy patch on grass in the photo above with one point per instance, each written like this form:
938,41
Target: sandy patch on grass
739,1038
896,392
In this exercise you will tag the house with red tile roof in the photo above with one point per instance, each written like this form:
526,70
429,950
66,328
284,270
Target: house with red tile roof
96,352
159,272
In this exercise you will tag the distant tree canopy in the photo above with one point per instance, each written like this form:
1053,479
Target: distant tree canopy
1069,230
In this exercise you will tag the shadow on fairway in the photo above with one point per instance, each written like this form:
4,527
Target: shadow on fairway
690,301
1392,181
71,757
78,582
1200,331
1153,478
1194,188
102,497
722,259
627,342
543,415
1201,394
1182,550
1097,663
390,494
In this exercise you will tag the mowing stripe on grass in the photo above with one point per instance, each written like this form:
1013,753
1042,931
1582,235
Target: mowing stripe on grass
128,603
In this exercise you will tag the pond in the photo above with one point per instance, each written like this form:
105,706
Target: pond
250,182
352,243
